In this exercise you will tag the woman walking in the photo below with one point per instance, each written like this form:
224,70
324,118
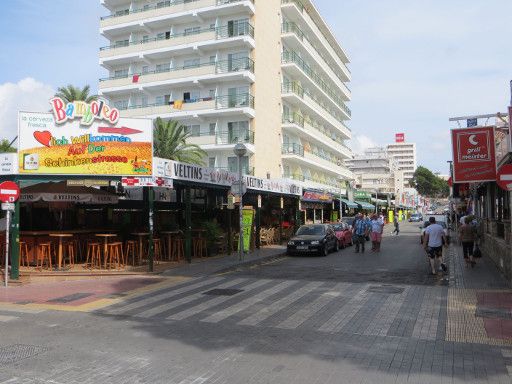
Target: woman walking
468,235
376,232
395,223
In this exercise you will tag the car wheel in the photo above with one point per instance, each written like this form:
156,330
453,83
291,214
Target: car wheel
337,246
324,251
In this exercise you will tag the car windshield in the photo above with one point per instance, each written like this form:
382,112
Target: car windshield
337,227
311,230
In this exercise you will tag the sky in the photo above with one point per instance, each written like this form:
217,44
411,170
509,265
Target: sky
414,63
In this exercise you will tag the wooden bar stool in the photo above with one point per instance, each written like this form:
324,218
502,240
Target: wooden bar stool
44,255
115,254
23,261
131,251
199,247
178,249
157,250
93,255
70,255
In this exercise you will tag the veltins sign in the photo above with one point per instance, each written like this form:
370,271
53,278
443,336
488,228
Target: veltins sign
474,155
78,144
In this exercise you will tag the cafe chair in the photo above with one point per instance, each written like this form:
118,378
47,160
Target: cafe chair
44,255
93,257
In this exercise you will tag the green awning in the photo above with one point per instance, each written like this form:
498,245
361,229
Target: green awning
350,204
365,205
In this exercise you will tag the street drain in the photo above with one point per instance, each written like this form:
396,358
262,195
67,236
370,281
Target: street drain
389,289
493,313
70,298
223,292
16,352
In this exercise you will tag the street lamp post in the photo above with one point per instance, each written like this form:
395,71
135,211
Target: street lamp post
341,204
240,150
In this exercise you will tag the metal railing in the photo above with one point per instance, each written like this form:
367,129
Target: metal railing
292,149
245,170
306,178
221,102
225,31
292,27
223,66
164,4
292,57
227,137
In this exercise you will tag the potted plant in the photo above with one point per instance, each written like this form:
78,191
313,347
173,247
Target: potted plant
212,234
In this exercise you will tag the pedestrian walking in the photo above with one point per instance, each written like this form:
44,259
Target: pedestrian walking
376,232
434,240
360,229
395,223
468,236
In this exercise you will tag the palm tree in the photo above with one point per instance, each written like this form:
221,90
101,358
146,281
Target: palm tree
71,93
170,142
6,146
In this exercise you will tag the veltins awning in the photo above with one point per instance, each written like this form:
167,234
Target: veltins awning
350,204
365,205
59,192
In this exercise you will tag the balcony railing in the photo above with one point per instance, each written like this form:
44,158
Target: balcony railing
292,57
223,66
292,149
220,102
302,9
291,27
245,170
225,31
291,87
307,178
165,4
227,137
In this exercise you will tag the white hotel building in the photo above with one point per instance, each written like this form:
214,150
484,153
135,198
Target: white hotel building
268,73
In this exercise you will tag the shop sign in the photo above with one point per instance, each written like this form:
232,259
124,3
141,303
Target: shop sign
8,163
399,137
474,158
74,148
247,219
88,183
87,112
362,195
272,185
317,197
147,182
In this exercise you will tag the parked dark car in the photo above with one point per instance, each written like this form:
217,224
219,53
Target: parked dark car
313,238
416,218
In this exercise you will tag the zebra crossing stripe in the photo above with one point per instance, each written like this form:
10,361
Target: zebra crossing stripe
278,305
213,302
346,312
5,318
387,314
140,302
185,300
244,304
309,310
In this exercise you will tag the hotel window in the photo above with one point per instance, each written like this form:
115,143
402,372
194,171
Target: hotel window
193,129
212,127
238,131
233,164
211,162
121,104
121,43
163,35
163,67
145,69
120,73
122,12
145,38
237,27
213,59
191,63
192,31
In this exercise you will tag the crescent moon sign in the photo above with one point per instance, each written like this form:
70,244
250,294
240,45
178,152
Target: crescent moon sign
472,140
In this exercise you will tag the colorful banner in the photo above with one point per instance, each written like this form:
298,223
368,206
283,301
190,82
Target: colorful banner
75,148
474,157
247,219
317,197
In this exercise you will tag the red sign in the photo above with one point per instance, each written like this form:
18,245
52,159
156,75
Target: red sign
504,177
474,155
399,137
9,192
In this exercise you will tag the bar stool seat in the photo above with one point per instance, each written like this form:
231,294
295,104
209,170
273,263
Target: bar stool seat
157,250
93,257
199,247
131,251
115,254
44,255
178,248
23,261
70,249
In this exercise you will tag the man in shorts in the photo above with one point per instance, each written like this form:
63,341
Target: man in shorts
434,241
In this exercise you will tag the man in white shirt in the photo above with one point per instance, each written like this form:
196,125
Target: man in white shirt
434,240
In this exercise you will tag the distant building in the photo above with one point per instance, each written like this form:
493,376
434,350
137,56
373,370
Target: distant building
405,156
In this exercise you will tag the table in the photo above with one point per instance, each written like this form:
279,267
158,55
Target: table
141,236
60,236
168,238
105,237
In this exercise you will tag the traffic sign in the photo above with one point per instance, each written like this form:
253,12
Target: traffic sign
8,206
235,188
504,177
9,192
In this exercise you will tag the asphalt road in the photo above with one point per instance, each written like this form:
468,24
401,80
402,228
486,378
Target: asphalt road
344,318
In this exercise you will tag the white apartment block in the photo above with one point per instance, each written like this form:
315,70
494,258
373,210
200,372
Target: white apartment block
405,156
268,73
376,170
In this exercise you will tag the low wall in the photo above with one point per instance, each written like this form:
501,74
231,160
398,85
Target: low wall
497,247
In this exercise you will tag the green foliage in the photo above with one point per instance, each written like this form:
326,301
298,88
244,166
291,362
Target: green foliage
170,142
5,146
428,184
71,93
213,231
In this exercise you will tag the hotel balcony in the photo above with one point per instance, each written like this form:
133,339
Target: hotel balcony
297,40
223,140
178,43
317,31
296,154
188,75
196,108
298,69
310,182
313,133
155,15
303,100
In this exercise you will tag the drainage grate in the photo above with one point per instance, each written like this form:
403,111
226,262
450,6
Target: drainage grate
69,298
389,289
223,292
16,352
493,313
